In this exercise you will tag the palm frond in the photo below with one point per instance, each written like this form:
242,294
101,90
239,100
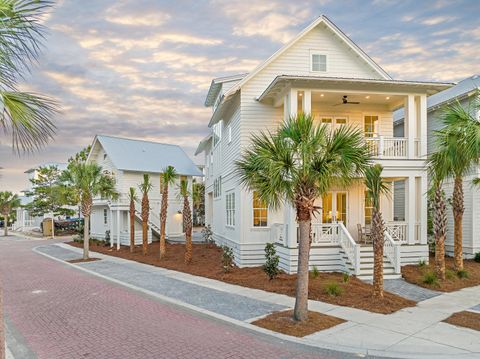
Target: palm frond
146,185
375,184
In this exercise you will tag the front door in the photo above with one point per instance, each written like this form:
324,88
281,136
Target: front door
334,207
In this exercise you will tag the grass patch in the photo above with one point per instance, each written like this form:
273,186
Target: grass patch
430,278
333,289
462,274
315,272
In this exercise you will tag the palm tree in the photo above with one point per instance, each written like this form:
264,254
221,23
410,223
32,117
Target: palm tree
8,203
187,220
437,167
459,143
296,165
145,187
27,116
90,181
132,196
167,178
375,188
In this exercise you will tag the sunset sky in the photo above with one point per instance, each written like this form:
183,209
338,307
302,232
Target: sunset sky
142,68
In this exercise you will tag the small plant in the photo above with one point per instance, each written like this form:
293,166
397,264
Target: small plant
333,289
315,272
430,278
477,257
227,258
422,263
346,277
450,274
207,234
462,274
107,238
271,263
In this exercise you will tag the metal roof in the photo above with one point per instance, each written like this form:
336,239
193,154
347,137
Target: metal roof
216,86
146,156
463,89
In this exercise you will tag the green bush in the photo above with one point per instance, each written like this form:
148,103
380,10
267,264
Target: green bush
346,277
462,274
422,263
227,258
430,278
477,257
333,289
271,261
315,272
450,274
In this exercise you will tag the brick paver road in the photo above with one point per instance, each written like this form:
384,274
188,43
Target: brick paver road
59,312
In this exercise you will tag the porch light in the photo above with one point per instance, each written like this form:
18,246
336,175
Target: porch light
367,97
387,98
321,95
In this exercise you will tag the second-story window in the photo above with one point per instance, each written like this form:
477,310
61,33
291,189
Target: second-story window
217,187
318,62
371,126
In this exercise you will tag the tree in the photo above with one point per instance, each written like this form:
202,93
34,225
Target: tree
132,196
8,203
145,187
90,181
295,165
73,193
25,115
187,220
167,178
458,142
49,195
437,167
198,199
375,188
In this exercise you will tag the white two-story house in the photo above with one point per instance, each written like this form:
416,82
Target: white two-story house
322,72
128,160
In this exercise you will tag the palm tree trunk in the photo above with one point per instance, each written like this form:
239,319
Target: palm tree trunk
53,227
378,242
187,222
5,225
132,226
2,326
300,312
458,210
439,228
163,221
145,210
86,235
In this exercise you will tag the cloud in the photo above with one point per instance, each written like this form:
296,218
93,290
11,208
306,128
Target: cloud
431,21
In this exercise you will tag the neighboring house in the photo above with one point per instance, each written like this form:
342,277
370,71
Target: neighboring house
25,220
321,71
128,160
466,92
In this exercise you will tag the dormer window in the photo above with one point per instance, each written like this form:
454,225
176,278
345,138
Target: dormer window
318,62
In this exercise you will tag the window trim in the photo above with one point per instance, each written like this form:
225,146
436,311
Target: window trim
321,53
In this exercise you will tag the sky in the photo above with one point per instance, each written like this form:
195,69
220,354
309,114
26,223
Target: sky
142,68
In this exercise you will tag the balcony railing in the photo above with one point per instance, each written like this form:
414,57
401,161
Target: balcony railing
388,147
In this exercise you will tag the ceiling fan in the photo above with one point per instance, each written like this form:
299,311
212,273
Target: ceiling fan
346,102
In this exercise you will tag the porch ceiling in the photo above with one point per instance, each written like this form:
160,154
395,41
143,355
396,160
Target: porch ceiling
334,99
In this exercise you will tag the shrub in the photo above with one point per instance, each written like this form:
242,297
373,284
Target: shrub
271,263
227,258
315,272
450,274
346,277
207,234
333,289
422,263
477,257
462,274
107,238
430,278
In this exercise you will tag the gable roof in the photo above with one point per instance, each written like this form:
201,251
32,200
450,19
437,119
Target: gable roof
216,86
464,88
145,156
321,19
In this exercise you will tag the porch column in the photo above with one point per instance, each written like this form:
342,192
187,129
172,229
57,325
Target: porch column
307,102
290,228
422,118
423,209
293,102
410,208
118,229
410,123
111,228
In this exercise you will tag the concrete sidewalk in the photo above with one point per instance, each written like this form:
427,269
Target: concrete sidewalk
416,332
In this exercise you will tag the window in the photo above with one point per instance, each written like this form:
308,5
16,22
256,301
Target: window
260,211
230,208
217,187
229,133
217,133
318,63
368,209
371,126
105,216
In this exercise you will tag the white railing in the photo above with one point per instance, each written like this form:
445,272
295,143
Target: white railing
349,246
391,250
388,147
324,234
153,217
276,233
397,230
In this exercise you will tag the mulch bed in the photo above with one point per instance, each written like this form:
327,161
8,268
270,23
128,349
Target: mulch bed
81,260
207,263
465,319
283,322
414,274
